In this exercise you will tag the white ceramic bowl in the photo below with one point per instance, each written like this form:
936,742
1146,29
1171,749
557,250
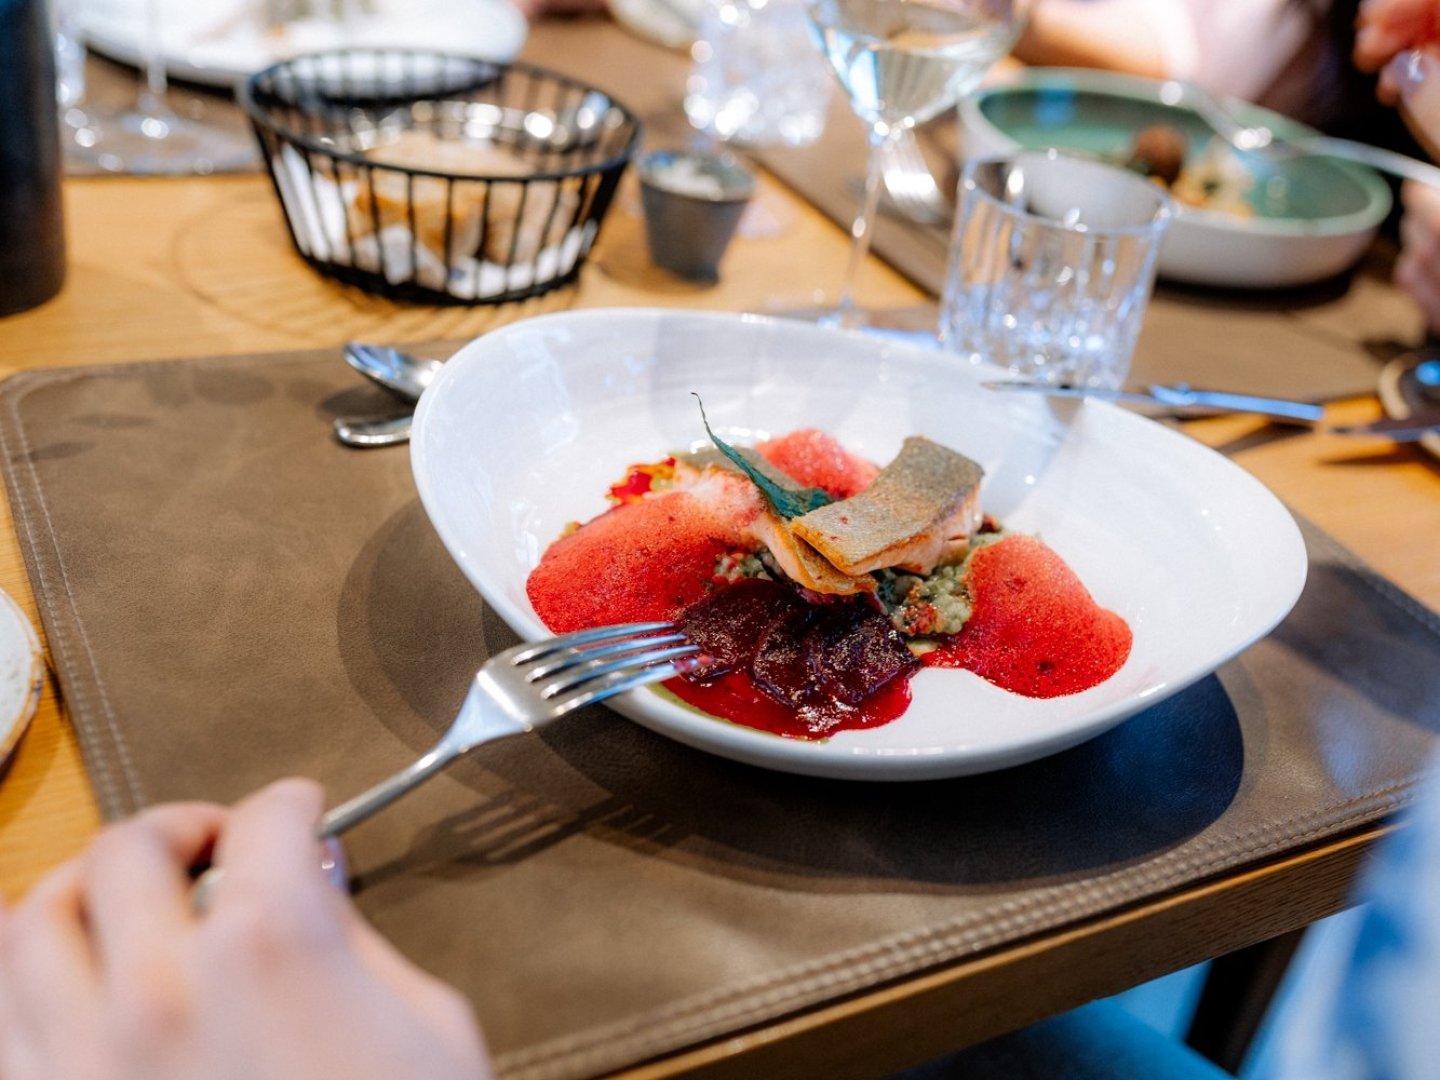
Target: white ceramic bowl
1313,216
525,428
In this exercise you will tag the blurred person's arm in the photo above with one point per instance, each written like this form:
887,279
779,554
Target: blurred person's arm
1133,36
107,972
1230,47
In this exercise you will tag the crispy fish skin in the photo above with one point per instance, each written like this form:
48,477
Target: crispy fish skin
909,516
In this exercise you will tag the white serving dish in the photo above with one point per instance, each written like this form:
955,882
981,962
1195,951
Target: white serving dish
525,428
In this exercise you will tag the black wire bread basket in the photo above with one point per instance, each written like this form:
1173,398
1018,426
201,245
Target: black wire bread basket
439,179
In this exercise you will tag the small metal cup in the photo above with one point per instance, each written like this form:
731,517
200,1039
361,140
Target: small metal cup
692,204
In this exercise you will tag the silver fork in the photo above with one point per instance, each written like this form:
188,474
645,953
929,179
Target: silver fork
912,187
517,691
526,688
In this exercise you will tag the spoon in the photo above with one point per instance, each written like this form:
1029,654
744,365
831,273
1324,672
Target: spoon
403,375
366,432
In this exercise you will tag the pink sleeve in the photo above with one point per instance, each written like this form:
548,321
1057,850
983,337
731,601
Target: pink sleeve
1230,47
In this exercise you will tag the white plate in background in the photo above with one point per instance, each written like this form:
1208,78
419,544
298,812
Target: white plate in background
524,430
222,42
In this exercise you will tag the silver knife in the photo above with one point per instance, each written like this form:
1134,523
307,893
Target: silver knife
1396,430
1177,396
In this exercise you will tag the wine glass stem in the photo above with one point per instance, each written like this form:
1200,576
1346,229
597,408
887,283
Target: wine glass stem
152,89
848,316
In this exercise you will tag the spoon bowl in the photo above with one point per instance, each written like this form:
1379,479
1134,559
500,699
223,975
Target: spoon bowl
403,375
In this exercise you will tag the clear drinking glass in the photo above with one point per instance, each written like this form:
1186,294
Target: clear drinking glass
1052,262
756,80
902,62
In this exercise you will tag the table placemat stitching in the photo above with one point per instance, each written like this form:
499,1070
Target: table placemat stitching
112,797
902,954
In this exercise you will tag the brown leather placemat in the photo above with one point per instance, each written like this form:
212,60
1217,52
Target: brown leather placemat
231,596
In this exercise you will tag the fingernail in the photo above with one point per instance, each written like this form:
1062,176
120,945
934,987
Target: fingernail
333,863
1408,71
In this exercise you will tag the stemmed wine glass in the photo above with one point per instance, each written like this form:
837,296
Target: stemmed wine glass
903,62
150,138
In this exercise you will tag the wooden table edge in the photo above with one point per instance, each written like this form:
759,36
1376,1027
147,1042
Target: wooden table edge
949,1008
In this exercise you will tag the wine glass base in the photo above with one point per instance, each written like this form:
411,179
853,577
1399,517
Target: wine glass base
154,144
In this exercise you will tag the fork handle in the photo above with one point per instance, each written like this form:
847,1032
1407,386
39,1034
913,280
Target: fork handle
355,810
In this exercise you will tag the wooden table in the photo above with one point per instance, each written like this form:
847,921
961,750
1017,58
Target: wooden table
187,267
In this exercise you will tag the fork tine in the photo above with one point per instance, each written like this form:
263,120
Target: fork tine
581,676
607,686
573,656
524,654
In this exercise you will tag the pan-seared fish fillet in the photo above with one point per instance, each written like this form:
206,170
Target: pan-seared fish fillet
801,563
920,509
715,480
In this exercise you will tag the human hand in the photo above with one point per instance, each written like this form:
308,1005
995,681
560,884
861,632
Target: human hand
1384,29
1417,270
108,973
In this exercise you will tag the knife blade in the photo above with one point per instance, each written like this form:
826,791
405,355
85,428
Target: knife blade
1177,397
1393,428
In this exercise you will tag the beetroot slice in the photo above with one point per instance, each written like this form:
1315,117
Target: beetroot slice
814,658
782,667
853,651
730,623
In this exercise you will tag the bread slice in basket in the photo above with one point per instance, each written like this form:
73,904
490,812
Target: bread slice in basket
504,218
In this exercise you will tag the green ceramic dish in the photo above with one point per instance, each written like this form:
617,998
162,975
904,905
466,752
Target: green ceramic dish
1308,217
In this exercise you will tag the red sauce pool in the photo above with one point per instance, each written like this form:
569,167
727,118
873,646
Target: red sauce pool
735,697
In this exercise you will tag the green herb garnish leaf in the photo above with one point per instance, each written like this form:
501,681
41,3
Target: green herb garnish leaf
788,502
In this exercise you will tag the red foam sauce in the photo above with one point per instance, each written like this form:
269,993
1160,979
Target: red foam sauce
638,562
814,459
1035,629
